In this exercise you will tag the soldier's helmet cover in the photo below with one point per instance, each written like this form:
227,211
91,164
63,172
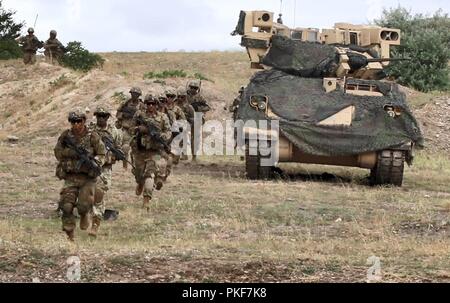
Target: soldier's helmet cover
170,91
149,98
76,114
31,30
101,110
136,90
181,91
162,98
194,83
53,32
241,89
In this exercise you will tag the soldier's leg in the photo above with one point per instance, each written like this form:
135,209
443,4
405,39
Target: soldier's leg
85,202
126,146
67,202
169,165
138,171
193,145
27,58
160,169
101,189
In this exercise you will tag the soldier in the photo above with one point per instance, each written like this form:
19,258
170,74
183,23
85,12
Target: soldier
80,153
30,44
195,98
106,131
124,121
54,49
175,115
189,113
152,132
235,106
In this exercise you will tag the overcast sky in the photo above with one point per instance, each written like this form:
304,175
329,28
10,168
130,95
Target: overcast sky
191,25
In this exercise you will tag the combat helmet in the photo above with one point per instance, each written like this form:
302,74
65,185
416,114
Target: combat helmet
136,90
53,32
101,110
30,30
181,91
170,92
76,114
194,84
149,98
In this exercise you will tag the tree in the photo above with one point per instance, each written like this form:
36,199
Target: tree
426,40
9,31
79,58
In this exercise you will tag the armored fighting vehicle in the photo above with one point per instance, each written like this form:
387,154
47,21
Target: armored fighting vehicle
327,93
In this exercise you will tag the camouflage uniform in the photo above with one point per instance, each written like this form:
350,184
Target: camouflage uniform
54,49
124,116
79,182
189,113
175,114
30,45
149,157
104,183
235,106
195,98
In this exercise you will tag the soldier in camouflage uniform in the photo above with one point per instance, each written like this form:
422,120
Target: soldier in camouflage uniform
235,106
54,49
175,115
79,180
149,155
30,44
124,116
189,113
104,129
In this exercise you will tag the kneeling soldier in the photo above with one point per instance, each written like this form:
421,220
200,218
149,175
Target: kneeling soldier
109,135
149,148
80,153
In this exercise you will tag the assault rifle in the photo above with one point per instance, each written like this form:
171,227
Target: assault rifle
84,156
153,132
117,152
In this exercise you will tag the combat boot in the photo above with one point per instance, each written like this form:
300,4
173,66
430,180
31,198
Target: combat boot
94,229
85,222
146,204
159,183
139,189
70,235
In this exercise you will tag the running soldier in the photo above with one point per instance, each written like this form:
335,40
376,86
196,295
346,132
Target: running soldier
54,49
109,135
125,115
149,148
80,153
30,45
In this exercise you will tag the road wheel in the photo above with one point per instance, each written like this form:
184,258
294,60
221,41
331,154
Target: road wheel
253,166
389,168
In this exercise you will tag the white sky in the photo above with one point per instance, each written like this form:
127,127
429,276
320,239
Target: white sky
190,25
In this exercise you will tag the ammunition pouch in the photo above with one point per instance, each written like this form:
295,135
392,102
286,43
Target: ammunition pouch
60,172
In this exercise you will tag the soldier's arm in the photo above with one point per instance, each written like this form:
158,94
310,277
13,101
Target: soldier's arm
180,114
99,148
166,132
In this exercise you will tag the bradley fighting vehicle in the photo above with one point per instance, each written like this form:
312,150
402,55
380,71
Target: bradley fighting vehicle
326,91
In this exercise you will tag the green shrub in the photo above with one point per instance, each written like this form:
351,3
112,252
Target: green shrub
9,49
202,77
166,74
426,40
79,58
60,82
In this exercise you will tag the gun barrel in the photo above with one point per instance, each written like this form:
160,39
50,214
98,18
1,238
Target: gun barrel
387,59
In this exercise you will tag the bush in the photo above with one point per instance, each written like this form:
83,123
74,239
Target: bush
9,49
79,58
166,74
426,40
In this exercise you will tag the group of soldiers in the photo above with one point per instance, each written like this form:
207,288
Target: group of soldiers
141,136
53,48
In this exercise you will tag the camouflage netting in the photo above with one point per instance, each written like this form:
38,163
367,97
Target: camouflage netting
302,102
